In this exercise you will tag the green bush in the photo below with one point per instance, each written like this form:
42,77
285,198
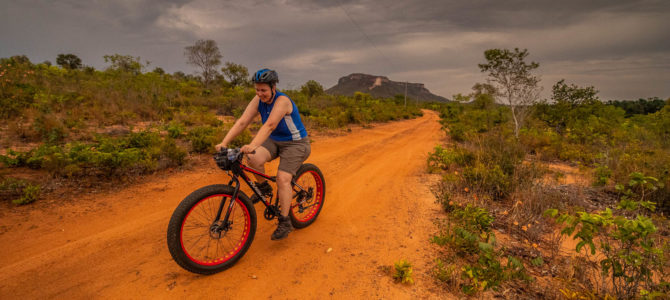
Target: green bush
468,226
203,139
244,138
601,174
136,153
469,233
630,258
171,154
490,180
30,194
15,159
443,159
457,132
50,128
489,272
175,130
20,191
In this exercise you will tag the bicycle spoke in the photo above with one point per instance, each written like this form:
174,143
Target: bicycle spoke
196,236
218,241
196,242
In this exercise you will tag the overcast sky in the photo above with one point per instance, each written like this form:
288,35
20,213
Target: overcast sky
620,47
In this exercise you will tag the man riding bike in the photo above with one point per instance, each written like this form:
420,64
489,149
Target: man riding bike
282,135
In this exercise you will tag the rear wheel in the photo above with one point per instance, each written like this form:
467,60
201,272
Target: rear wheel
200,245
309,194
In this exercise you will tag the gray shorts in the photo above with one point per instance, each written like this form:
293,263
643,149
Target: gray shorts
291,153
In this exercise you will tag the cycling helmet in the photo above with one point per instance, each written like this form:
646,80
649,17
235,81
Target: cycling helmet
265,76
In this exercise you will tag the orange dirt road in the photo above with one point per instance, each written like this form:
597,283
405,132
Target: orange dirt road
378,210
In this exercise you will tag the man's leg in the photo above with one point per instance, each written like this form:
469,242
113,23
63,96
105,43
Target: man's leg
257,161
284,193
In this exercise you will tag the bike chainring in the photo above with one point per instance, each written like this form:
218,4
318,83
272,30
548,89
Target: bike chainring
271,212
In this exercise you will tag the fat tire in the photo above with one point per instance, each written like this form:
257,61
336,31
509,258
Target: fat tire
304,169
180,213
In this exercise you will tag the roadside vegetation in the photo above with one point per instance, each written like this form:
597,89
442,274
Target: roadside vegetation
73,123
511,220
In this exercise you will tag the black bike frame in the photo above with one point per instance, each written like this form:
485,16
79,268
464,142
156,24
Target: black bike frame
238,169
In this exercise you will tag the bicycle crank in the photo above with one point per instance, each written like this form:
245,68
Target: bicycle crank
271,212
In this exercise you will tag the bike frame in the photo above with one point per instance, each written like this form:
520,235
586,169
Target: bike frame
238,169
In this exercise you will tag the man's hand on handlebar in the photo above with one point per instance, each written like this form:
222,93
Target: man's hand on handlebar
220,146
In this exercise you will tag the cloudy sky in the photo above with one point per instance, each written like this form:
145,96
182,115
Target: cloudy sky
620,47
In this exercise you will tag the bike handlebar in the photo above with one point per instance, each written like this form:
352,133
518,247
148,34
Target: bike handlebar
232,154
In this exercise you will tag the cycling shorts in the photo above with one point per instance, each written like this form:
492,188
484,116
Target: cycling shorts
291,153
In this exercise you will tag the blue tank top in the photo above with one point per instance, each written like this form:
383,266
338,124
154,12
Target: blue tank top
290,128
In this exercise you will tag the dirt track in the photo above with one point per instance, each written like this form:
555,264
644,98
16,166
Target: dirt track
378,210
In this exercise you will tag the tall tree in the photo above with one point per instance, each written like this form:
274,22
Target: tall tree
205,55
21,59
311,88
68,61
570,103
237,75
125,63
511,76
573,94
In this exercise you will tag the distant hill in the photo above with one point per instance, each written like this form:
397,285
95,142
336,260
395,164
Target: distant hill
382,87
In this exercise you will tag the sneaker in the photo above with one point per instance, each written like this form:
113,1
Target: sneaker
266,190
283,228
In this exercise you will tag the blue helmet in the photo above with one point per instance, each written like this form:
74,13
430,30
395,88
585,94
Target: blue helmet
265,76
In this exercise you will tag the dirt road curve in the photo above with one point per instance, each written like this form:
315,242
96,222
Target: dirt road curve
378,210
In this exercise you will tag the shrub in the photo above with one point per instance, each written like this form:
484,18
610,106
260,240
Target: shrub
443,158
601,175
136,153
403,272
15,159
175,129
457,132
20,191
491,181
50,128
489,272
469,234
203,139
445,273
171,154
30,194
629,259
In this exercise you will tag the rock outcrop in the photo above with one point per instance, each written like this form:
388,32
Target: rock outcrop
382,87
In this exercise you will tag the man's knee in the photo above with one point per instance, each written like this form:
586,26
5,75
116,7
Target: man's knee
258,159
284,178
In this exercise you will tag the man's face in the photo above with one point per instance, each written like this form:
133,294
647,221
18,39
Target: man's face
264,92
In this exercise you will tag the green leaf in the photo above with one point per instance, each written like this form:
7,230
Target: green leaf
552,212
580,245
485,247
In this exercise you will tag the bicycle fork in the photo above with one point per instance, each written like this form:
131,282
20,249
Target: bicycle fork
225,224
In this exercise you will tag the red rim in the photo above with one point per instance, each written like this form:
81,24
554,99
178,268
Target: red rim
316,201
195,230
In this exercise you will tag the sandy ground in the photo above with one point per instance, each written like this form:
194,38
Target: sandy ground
378,210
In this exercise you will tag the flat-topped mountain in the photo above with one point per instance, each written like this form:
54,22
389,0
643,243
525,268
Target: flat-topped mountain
382,87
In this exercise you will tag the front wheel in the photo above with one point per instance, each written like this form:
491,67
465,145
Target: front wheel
200,245
309,194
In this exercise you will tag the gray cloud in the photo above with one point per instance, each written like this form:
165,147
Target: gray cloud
621,47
